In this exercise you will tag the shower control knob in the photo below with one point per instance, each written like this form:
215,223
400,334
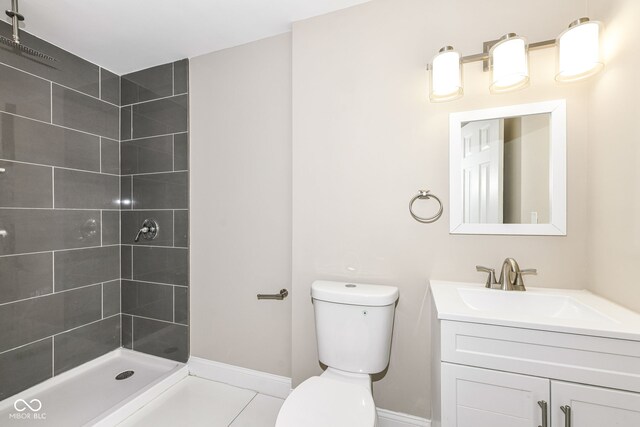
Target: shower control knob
148,231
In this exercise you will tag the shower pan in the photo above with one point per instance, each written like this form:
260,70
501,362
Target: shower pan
91,395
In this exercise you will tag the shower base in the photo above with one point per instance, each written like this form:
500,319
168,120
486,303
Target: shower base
90,395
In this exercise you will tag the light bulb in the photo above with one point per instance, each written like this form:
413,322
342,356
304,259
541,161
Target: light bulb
510,64
579,53
446,76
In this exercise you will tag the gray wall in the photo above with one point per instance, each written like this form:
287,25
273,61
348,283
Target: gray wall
614,158
154,184
366,138
59,203
241,153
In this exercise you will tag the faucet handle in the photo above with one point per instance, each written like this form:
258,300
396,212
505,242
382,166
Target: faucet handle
519,283
491,278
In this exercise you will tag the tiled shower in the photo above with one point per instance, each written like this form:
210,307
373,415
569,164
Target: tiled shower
155,179
85,157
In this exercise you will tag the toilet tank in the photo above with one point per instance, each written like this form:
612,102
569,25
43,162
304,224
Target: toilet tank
354,323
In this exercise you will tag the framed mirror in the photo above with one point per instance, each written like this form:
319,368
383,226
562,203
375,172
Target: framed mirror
508,170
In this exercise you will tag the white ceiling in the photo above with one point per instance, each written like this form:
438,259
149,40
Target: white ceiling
129,35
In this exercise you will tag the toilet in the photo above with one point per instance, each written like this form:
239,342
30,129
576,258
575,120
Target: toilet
354,323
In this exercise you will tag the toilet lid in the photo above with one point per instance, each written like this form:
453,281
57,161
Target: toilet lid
322,402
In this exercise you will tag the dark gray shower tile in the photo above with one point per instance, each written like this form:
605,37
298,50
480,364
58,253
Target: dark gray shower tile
24,94
181,225
161,339
110,228
181,152
81,345
110,87
181,76
110,156
148,84
81,267
34,142
181,302
70,70
25,367
125,123
126,200
160,117
132,222
86,190
127,331
81,112
147,155
161,191
25,276
126,262
33,319
38,230
111,298
25,186
147,300
161,265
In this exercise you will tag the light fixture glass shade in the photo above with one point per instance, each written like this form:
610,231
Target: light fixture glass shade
579,51
446,76
509,64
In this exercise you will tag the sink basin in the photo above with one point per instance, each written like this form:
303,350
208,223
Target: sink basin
529,304
559,310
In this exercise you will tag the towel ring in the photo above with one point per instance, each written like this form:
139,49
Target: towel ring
424,194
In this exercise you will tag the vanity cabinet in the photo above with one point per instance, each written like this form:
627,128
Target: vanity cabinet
594,406
499,359
476,397
495,376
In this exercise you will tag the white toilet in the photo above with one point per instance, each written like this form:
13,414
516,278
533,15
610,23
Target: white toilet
353,327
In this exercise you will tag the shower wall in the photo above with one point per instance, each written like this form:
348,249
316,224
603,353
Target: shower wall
154,165
59,214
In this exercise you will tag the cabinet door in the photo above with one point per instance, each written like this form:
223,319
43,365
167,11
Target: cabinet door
594,406
475,397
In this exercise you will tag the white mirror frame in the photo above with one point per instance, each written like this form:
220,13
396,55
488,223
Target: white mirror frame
557,169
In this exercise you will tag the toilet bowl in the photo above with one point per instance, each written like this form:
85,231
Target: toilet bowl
354,323
322,402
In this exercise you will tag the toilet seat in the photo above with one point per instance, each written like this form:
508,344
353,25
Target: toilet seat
324,402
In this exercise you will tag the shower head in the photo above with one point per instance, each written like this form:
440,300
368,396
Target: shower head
26,49
16,17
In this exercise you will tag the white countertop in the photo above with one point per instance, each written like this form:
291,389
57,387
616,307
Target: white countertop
558,310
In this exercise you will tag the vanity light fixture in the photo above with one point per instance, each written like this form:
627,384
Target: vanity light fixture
579,53
446,76
579,57
509,59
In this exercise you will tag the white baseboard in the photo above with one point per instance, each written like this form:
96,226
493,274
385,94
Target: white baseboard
277,386
388,418
262,382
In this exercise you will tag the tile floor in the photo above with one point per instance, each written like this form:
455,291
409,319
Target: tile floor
197,402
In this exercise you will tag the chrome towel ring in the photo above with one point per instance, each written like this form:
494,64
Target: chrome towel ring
424,194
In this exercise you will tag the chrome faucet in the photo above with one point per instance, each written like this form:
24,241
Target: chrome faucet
510,276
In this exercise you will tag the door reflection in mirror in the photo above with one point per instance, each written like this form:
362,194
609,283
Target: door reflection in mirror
506,170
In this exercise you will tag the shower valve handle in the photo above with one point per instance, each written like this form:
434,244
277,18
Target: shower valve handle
143,230
149,230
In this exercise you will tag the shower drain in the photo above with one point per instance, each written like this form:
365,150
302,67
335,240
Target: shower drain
124,375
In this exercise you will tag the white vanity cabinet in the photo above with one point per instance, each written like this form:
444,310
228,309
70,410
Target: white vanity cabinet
594,406
518,370
476,397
